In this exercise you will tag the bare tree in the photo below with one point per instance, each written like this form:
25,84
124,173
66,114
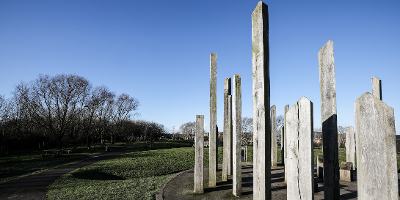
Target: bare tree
123,107
65,107
144,125
188,130
155,130
55,102
149,131
342,136
102,101
3,118
247,129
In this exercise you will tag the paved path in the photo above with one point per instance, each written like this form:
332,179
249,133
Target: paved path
35,186
181,186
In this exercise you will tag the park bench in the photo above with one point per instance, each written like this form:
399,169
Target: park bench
69,150
52,153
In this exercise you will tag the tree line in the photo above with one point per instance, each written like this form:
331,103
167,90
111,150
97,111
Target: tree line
67,109
187,130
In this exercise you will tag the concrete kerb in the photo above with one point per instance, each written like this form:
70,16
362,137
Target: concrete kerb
160,191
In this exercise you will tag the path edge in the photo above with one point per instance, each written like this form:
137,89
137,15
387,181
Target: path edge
160,191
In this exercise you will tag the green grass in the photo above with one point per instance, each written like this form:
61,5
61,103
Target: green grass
136,175
37,172
33,158
163,144
342,155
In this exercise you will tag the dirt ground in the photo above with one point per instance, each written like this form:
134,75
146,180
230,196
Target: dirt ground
181,186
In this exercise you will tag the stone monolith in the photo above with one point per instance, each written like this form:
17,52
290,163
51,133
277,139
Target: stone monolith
284,138
213,122
237,134
376,149
346,171
227,132
376,87
329,121
199,154
274,152
230,169
300,154
261,103
282,145
350,147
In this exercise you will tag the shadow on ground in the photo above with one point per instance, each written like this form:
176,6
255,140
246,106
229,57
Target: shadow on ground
95,175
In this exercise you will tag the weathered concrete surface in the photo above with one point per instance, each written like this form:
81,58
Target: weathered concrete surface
284,139
346,171
320,166
181,185
376,87
227,131
350,146
274,145
213,122
376,148
300,154
261,103
230,169
282,145
329,120
199,155
237,134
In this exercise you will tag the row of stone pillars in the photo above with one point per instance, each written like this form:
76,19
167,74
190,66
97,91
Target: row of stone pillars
232,134
374,128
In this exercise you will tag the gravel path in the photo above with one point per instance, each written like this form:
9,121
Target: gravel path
35,186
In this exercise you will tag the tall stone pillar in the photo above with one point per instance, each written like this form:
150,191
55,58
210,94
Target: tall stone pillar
284,139
329,121
282,145
213,122
261,103
376,87
350,147
230,168
274,146
216,146
300,157
199,154
376,149
227,130
237,135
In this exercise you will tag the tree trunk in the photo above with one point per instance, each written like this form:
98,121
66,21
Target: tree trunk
87,142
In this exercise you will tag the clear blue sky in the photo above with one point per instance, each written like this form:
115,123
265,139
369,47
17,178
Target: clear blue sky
159,51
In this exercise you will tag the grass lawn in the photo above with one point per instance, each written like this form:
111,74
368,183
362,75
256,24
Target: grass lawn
33,158
135,175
